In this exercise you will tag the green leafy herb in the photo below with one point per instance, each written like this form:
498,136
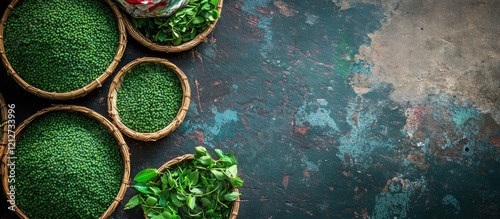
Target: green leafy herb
133,202
146,175
199,188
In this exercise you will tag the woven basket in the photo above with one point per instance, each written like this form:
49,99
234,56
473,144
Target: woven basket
75,93
4,129
116,84
188,157
93,115
201,37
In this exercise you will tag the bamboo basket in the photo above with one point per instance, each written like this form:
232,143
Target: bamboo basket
4,128
201,37
116,84
75,93
93,115
188,157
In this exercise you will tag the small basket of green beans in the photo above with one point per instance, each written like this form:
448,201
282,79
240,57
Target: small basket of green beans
186,28
69,162
149,98
61,49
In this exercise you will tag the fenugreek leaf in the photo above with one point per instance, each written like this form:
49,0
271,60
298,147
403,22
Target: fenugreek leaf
193,177
151,201
175,200
233,170
163,198
143,188
231,196
155,190
205,201
191,201
236,181
219,153
218,174
200,151
146,175
133,202
198,20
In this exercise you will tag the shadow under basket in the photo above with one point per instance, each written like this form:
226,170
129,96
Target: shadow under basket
188,157
116,85
110,128
201,37
78,92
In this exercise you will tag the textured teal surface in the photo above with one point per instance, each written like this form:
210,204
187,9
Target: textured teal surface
274,85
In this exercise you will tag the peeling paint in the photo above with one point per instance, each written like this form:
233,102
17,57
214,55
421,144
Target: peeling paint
311,19
310,166
213,130
450,200
252,6
359,142
394,200
284,9
422,55
320,117
265,25
462,114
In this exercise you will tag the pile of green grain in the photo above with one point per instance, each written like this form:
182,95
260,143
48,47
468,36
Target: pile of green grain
58,45
67,166
149,98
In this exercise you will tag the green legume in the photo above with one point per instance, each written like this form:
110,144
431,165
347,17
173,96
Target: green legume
68,166
149,98
61,46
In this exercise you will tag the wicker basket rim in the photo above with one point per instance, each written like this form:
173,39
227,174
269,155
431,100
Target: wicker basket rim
78,92
124,151
201,37
186,157
115,86
4,129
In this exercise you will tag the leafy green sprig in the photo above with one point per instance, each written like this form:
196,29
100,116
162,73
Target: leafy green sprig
180,27
199,188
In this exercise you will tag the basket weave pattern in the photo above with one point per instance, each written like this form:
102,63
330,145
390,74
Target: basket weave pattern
75,93
116,84
201,37
93,115
4,129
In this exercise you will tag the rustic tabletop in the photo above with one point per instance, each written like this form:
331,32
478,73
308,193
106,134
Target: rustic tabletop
336,108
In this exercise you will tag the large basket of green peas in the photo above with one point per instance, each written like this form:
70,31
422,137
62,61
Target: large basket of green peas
68,162
149,98
179,32
61,49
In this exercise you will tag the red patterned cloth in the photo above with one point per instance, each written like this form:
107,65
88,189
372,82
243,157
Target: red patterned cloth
151,8
140,1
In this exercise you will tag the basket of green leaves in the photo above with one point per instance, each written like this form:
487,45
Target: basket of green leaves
68,162
149,98
190,186
186,28
61,49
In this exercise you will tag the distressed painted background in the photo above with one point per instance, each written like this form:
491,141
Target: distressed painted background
338,108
